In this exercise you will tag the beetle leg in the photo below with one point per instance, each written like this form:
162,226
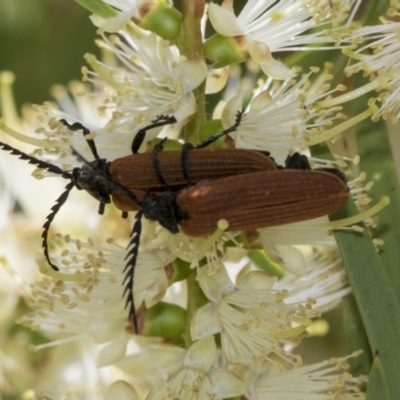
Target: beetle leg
187,146
102,207
75,127
215,137
161,120
156,162
124,214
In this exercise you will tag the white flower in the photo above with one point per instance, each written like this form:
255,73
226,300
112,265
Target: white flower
128,10
324,281
379,59
89,303
283,117
190,374
317,381
269,26
250,317
155,80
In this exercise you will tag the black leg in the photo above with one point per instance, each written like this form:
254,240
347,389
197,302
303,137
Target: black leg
139,137
156,162
76,126
187,146
215,137
102,207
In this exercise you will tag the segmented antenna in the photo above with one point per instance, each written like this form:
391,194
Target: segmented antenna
32,160
60,201
130,268
49,219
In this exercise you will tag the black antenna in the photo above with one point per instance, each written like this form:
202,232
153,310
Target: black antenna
49,219
60,201
130,268
32,160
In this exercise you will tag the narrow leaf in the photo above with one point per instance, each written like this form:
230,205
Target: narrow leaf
377,383
97,7
376,300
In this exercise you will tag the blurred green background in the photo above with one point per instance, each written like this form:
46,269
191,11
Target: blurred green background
43,43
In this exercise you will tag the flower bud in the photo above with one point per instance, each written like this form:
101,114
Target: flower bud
162,19
224,50
165,320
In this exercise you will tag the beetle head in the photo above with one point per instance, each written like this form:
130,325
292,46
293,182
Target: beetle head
89,179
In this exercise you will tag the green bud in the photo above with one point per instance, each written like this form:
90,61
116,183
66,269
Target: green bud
162,19
224,50
209,129
181,271
165,320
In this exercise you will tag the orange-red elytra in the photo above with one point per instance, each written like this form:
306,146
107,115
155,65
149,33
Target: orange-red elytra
261,200
137,173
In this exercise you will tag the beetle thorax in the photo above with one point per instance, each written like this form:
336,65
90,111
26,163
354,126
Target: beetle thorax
162,208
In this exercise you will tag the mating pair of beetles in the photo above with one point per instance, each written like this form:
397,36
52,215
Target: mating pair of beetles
194,188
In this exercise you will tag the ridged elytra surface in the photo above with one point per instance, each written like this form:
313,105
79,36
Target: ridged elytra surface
261,199
137,172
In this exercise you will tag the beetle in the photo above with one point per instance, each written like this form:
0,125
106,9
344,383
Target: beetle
137,178
196,187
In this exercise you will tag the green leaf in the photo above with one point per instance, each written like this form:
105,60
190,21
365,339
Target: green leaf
375,297
377,383
97,7
375,278
356,338
376,161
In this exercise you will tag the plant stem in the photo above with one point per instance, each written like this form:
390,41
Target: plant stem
190,44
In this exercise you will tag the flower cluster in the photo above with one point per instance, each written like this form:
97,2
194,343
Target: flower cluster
217,315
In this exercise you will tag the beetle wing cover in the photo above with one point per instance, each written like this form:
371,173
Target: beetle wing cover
261,200
137,171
